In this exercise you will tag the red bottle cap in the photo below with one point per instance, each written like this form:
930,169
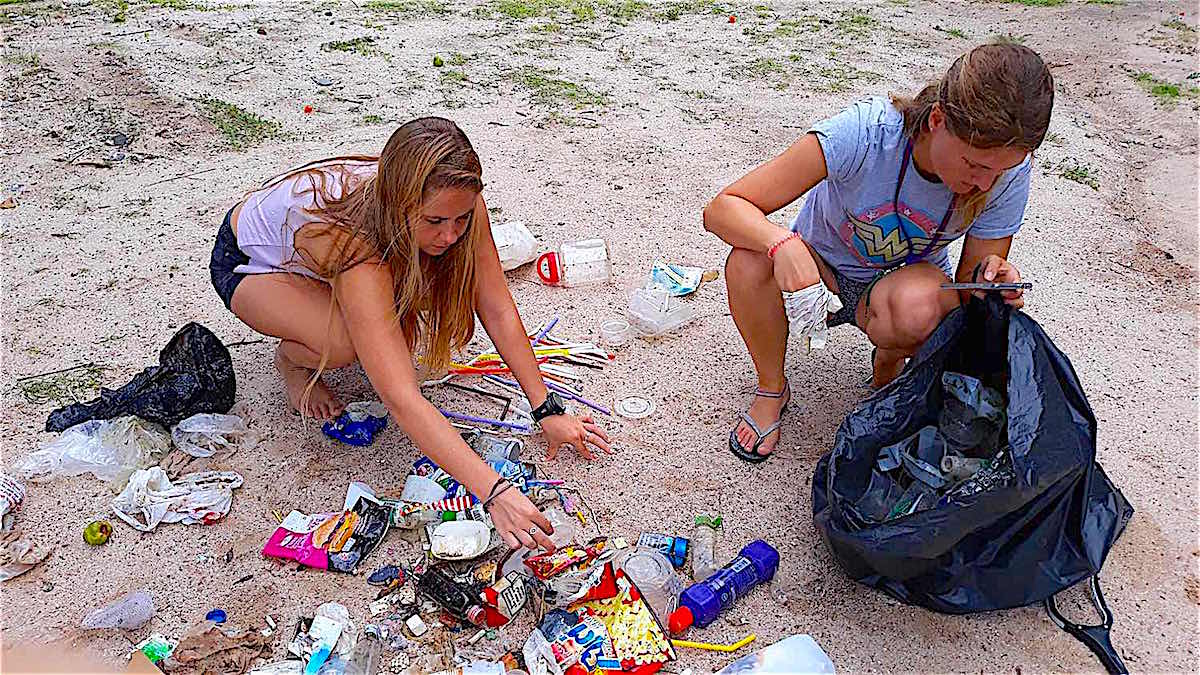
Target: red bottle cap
476,615
680,620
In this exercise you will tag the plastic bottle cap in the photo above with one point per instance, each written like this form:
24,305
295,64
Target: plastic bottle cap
215,616
680,620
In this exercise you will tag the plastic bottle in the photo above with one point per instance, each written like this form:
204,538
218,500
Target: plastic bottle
578,263
364,659
654,576
703,601
132,610
795,654
704,547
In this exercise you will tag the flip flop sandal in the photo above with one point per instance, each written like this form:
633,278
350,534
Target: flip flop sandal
761,435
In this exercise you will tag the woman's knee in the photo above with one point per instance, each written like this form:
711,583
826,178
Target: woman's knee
916,309
744,267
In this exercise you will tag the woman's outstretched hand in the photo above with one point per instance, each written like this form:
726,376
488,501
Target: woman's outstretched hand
577,432
519,522
997,269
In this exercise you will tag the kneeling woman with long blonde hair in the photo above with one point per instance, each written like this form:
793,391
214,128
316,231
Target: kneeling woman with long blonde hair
370,259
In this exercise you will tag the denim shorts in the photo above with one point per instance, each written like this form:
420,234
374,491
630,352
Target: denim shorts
225,257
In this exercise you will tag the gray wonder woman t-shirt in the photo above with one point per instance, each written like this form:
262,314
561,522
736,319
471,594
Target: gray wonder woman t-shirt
849,217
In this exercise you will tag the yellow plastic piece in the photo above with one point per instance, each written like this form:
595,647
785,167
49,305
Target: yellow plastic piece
709,647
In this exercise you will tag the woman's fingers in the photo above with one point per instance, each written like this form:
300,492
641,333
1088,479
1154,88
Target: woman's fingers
510,539
596,437
525,539
596,429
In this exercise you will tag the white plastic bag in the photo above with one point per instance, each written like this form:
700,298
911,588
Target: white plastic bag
203,434
795,654
807,310
132,610
18,554
108,449
151,498
12,493
515,244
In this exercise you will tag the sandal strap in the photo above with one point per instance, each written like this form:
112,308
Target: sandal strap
760,433
774,394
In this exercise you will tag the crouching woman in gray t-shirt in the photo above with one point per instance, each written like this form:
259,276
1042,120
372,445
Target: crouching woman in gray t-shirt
888,184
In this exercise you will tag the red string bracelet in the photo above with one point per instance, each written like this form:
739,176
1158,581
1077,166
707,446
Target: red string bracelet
775,247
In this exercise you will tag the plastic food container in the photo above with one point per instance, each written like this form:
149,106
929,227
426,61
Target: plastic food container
616,332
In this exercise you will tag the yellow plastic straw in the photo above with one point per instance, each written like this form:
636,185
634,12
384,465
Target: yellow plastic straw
708,647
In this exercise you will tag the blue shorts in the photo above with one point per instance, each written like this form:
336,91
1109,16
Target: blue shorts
225,257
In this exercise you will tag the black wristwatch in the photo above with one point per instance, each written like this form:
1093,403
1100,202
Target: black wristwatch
553,405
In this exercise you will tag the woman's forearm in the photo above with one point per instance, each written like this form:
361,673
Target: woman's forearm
434,437
504,327
741,224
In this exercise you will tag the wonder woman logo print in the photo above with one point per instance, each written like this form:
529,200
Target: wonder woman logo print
882,238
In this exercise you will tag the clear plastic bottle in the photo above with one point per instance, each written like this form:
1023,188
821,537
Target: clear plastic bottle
577,263
364,659
704,547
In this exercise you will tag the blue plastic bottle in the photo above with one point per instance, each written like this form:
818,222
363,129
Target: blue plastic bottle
703,601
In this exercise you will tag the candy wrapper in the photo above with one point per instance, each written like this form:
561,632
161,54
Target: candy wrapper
678,280
567,638
547,565
337,541
637,637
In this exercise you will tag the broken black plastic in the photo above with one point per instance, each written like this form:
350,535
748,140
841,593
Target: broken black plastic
194,375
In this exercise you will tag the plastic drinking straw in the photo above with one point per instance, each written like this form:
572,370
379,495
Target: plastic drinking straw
554,387
708,646
484,420
545,331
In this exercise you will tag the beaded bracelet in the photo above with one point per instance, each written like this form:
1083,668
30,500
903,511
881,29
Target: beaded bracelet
775,247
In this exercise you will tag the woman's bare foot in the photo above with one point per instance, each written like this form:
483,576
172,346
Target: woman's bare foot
886,366
321,403
765,411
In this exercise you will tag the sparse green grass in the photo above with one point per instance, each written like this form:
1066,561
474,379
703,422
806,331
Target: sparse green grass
456,59
856,23
1038,3
410,7
1163,91
172,4
117,9
13,2
454,77
1053,138
240,127
548,90
763,68
1008,38
1104,2
582,11
698,93
794,27
68,386
1179,25
24,59
1080,173
372,119
363,46
839,78
954,32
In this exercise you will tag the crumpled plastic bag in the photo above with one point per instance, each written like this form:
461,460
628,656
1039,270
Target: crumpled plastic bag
108,449
807,310
151,498
208,647
18,554
12,493
194,374
203,434
132,610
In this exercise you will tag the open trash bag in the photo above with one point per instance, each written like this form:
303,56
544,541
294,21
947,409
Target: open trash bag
194,375
1037,517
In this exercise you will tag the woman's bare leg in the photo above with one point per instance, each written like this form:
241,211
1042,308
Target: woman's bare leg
906,306
756,304
296,309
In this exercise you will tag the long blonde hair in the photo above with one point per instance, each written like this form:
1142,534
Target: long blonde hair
375,219
996,95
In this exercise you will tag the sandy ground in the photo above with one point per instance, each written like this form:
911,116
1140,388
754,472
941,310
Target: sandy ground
104,264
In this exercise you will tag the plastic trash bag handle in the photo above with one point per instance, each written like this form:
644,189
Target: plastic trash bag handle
1097,637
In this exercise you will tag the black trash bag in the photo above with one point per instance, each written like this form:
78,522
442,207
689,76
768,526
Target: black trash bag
1045,524
194,375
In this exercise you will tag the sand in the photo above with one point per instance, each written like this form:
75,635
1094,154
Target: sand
104,264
